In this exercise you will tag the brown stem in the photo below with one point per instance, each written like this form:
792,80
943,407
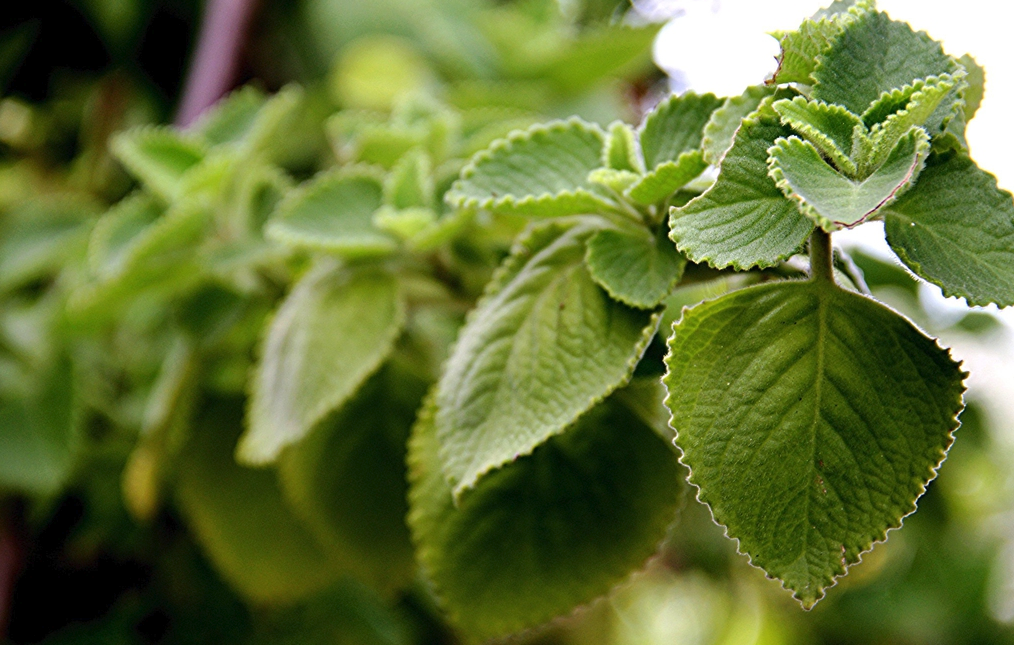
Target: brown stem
821,256
216,57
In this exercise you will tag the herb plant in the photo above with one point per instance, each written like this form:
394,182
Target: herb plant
485,299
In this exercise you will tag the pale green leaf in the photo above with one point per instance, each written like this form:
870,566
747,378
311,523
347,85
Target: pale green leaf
332,331
616,180
811,418
920,106
633,265
547,532
723,123
542,346
139,235
39,238
406,224
158,157
40,434
800,49
232,117
366,137
541,171
667,178
597,53
832,129
976,85
675,127
346,481
955,228
873,55
622,151
743,220
240,519
333,213
831,199
410,182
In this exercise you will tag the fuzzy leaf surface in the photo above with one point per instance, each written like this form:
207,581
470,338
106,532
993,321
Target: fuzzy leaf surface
920,107
675,127
333,213
542,171
622,151
723,123
346,481
830,128
955,228
634,266
800,49
811,418
550,531
872,55
743,220
667,178
833,200
542,346
241,519
332,331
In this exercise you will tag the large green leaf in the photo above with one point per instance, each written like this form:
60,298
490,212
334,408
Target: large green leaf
549,531
158,157
743,220
811,418
346,480
542,346
39,434
955,228
667,178
872,55
240,518
633,265
334,212
833,200
334,330
832,129
541,171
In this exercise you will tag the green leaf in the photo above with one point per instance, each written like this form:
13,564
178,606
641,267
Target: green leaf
955,228
743,220
40,434
410,182
675,127
333,213
39,238
158,157
976,85
667,178
811,418
873,55
239,517
921,105
547,532
634,266
831,199
232,117
543,345
832,129
542,171
334,330
598,53
723,123
346,481
138,236
800,49
622,150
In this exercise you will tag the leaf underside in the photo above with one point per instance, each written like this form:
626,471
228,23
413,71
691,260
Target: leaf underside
812,419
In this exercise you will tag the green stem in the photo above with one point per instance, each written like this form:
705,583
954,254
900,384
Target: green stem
821,256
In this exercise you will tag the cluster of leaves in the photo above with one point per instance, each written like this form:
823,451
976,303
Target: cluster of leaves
442,352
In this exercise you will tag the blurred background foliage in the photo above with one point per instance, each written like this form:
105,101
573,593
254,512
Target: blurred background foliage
96,552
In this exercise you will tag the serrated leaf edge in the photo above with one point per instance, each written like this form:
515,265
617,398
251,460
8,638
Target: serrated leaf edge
879,537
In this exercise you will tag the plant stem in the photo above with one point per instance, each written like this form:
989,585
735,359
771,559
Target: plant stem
216,57
10,561
821,256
